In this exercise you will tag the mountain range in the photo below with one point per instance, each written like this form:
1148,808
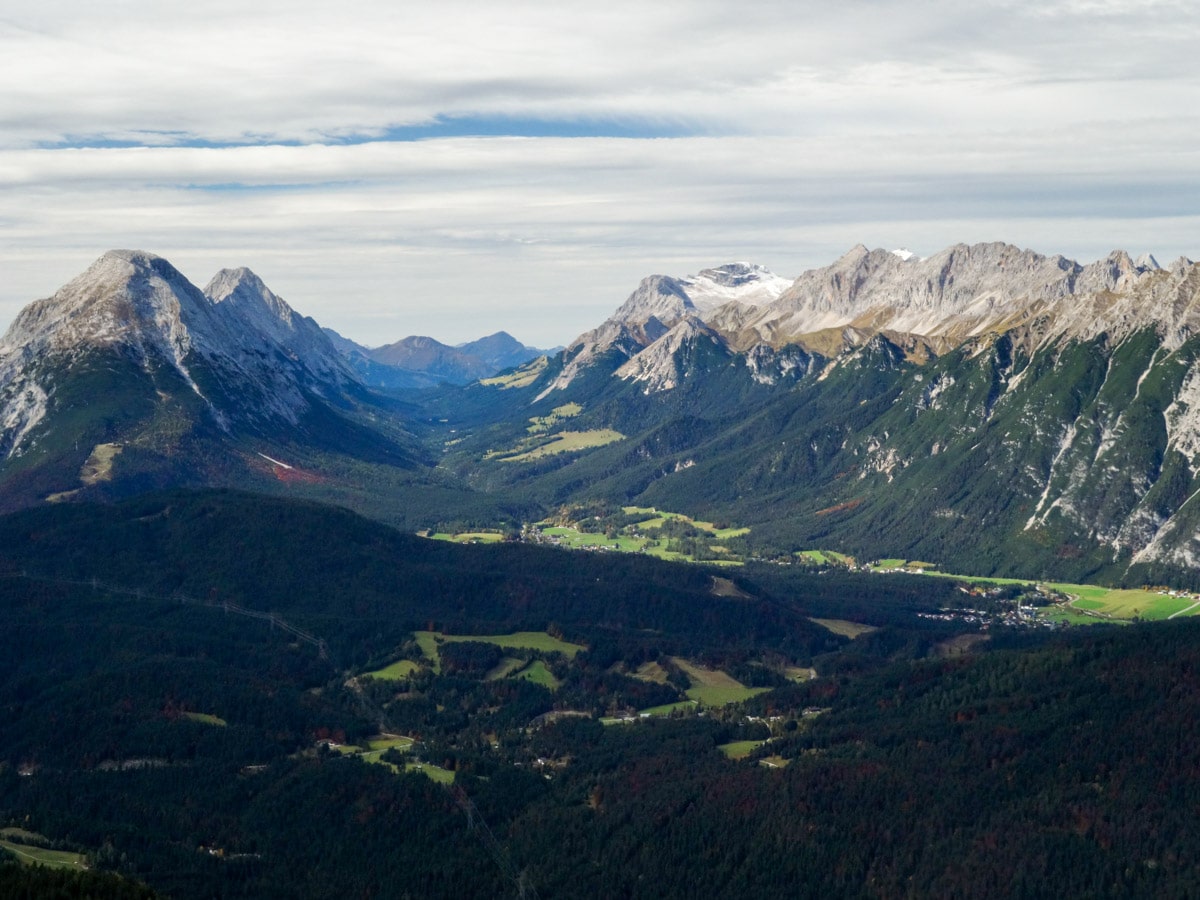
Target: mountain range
417,361
986,407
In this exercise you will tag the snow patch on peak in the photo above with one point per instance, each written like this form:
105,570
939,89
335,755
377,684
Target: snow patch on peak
905,254
743,283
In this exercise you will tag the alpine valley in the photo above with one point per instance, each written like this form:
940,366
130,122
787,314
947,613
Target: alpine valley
236,664
988,408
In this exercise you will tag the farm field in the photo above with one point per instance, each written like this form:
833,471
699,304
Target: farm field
714,688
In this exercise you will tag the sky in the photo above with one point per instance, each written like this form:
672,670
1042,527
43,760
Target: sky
397,168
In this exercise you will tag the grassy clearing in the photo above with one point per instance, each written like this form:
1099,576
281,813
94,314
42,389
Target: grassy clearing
537,672
845,627
564,442
519,640
436,773
1067,616
800,673
206,718
575,539
1117,604
650,671
1127,604
99,464
55,859
723,587
774,762
383,742
522,377
542,424
739,749
711,687
667,708
397,671
639,537
656,518
826,557
890,563
470,537
427,641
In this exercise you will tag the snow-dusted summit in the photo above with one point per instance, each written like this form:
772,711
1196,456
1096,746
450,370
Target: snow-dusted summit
657,309
248,357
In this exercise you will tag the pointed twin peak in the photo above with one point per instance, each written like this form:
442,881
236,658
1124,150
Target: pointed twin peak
243,289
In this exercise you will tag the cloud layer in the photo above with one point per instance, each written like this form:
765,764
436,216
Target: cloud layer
620,140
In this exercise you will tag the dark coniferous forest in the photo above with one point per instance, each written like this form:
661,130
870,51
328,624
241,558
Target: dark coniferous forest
187,706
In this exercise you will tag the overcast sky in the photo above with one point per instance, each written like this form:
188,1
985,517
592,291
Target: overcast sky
452,170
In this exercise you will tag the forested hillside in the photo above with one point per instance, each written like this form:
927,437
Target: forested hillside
227,695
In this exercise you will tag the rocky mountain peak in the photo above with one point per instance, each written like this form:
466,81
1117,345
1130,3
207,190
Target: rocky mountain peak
659,296
264,319
126,297
660,366
242,288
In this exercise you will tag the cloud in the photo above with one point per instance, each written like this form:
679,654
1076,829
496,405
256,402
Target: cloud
322,144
